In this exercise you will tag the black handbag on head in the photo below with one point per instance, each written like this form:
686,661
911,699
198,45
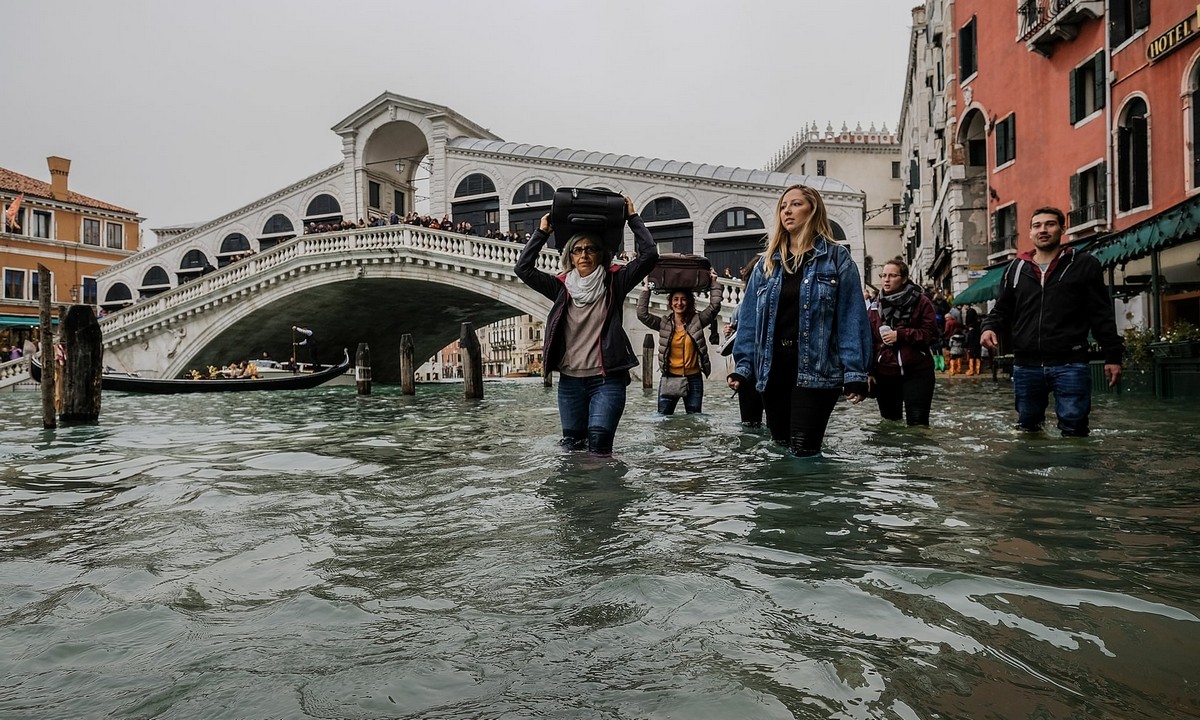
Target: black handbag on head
598,212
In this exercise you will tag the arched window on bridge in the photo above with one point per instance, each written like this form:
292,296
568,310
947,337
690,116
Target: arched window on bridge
476,201
324,208
278,229
668,220
838,233
734,237
154,282
233,245
531,201
192,266
117,297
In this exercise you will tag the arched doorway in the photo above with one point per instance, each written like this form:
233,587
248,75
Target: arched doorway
395,171
531,201
668,220
477,202
276,230
192,266
735,236
155,281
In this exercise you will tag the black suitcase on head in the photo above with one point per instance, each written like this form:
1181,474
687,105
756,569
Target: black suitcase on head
598,212
676,271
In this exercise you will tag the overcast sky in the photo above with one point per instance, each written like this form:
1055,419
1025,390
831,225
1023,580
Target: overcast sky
183,111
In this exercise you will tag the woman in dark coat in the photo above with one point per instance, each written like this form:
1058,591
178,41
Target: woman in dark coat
584,338
903,326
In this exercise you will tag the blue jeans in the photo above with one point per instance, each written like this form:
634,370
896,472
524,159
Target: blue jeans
590,408
1072,388
691,401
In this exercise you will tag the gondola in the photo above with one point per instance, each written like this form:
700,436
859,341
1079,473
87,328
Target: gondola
134,384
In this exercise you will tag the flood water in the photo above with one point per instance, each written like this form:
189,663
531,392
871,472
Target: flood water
317,554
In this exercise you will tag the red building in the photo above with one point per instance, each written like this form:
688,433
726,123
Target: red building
1092,106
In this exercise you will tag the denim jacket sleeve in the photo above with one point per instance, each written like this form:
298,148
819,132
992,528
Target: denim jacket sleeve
747,324
854,329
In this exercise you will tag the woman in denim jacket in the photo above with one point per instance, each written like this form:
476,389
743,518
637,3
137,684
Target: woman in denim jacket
811,340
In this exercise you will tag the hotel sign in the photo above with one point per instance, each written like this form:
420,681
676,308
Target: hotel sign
1172,39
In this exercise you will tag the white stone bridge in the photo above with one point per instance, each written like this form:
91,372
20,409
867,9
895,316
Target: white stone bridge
366,285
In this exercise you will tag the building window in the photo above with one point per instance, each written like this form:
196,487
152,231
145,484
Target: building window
14,284
41,224
1087,88
1006,140
1126,18
116,236
895,213
1004,229
91,293
322,206
91,232
1089,196
821,168
895,169
1195,110
397,202
1133,157
373,194
803,169
967,59
475,184
35,286
735,219
18,221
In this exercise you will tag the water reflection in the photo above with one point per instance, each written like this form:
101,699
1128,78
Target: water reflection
320,554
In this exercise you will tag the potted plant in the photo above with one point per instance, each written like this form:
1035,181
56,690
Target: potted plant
1180,340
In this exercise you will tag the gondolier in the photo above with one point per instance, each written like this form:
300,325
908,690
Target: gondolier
308,340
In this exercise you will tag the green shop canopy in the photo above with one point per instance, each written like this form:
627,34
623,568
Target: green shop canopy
22,321
1177,225
983,289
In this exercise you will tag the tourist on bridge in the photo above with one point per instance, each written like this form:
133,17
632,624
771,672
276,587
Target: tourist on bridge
803,329
682,349
584,338
903,326
1050,298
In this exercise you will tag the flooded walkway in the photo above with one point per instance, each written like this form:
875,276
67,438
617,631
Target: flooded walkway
315,554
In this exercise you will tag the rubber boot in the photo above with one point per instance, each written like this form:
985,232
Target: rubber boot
953,366
970,366
978,365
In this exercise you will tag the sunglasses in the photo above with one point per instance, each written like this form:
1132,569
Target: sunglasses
585,249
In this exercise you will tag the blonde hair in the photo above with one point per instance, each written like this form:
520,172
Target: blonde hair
817,224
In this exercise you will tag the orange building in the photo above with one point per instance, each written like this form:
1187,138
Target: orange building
73,235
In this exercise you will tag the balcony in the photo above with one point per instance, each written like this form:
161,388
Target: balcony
1042,24
1002,244
1087,214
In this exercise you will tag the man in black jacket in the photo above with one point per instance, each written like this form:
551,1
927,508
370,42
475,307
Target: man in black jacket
1050,298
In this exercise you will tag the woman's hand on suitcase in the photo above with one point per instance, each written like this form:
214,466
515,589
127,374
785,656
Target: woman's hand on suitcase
544,226
629,207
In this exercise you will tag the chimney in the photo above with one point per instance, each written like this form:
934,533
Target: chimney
59,169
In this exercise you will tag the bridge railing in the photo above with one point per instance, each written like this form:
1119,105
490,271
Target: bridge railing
14,371
501,254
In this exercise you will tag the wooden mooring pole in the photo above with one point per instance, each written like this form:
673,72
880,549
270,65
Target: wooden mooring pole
362,369
648,361
83,364
472,363
47,344
408,372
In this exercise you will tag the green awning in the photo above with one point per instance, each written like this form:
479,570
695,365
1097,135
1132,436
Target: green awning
23,321
1171,227
983,289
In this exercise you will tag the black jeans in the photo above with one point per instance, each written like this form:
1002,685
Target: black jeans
796,416
901,396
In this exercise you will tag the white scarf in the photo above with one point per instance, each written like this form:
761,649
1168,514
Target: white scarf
585,290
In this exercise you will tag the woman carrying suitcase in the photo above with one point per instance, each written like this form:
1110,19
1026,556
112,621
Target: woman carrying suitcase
682,349
803,331
584,339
